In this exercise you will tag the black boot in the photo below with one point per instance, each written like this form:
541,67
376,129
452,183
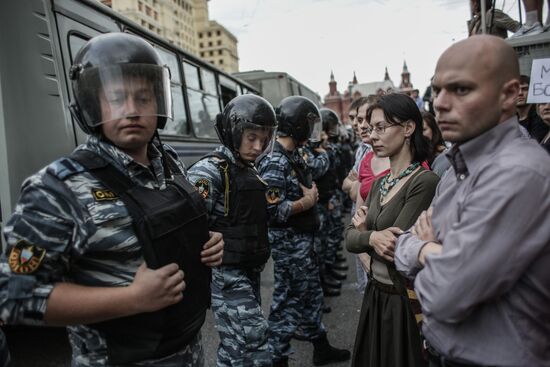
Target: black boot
324,353
330,292
330,282
281,363
339,266
326,309
335,273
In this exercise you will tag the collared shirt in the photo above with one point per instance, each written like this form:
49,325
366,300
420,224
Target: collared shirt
59,213
486,297
360,153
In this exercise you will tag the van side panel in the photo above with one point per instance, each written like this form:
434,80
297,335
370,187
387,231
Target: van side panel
35,128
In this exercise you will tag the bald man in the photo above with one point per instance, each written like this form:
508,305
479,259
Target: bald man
480,255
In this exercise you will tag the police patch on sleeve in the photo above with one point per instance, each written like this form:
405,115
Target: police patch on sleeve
203,187
103,195
272,195
25,258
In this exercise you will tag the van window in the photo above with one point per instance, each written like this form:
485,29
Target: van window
76,42
177,126
203,98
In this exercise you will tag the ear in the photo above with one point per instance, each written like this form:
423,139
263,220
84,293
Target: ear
509,94
409,126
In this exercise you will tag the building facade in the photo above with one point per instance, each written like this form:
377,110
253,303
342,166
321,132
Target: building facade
186,24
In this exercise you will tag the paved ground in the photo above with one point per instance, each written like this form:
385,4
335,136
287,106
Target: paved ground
48,347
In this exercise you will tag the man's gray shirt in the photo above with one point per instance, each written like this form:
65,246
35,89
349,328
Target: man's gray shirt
486,297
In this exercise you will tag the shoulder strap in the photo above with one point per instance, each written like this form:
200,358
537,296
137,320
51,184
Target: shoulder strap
103,170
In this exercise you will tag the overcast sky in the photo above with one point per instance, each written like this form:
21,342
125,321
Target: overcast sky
309,38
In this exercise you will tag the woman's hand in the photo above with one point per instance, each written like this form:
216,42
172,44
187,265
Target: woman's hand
383,242
360,218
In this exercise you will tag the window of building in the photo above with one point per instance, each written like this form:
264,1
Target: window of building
209,34
218,33
148,11
156,15
140,6
202,54
151,27
221,61
219,42
209,44
201,45
220,52
200,35
211,53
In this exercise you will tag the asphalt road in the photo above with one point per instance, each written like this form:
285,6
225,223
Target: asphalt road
48,347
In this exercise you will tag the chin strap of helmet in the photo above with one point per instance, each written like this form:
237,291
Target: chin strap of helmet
166,167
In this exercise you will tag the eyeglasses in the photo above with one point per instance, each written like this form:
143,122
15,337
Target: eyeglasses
379,129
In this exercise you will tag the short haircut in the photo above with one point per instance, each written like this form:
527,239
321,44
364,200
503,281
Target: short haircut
356,103
524,79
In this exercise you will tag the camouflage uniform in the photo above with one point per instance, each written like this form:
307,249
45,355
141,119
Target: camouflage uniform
235,290
297,294
318,164
335,226
63,216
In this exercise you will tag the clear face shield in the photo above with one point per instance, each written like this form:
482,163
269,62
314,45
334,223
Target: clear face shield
315,137
124,91
252,140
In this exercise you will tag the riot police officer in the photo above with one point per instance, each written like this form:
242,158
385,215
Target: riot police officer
330,203
293,220
235,197
99,241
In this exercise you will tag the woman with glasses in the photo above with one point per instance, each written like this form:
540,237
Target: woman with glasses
388,334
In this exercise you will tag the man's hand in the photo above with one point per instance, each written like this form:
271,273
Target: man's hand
156,289
212,252
311,196
383,242
360,218
423,228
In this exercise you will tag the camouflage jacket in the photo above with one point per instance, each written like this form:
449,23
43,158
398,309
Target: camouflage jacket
64,221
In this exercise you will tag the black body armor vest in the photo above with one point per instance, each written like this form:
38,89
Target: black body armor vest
328,183
244,226
307,221
171,226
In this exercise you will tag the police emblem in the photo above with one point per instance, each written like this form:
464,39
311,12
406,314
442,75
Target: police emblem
25,258
203,187
272,195
103,195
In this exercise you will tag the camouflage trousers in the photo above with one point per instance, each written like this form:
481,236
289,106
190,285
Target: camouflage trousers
335,227
239,318
297,293
191,355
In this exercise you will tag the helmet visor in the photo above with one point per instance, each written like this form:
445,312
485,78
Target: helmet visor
315,136
123,91
252,139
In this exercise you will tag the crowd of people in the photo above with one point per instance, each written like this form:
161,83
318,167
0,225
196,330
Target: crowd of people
127,248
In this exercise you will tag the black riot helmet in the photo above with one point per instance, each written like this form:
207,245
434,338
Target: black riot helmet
298,118
119,75
331,122
248,111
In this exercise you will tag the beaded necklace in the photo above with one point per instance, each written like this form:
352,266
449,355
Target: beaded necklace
392,182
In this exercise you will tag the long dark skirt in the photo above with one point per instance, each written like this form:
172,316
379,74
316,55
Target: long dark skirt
388,334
